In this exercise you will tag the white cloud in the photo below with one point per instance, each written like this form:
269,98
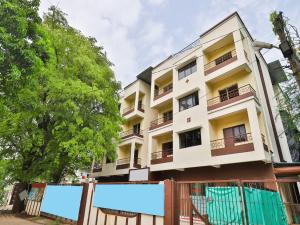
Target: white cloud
110,23
152,32
136,34
157,2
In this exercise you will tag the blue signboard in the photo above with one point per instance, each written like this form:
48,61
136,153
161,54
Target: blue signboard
63,201
139,198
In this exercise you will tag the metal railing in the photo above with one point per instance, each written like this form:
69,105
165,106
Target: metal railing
131,132
162,154
161,121
123,161
163,91
128,110
231,94
223,142
220,60
237,201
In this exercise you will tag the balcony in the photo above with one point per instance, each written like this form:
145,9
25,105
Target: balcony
162,156
123,163
163,91
220,62
131,133
128,110
232,145
161,122
231,96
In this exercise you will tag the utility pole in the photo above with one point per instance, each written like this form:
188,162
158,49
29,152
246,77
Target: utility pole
287,43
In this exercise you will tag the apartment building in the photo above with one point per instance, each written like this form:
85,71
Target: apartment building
206,112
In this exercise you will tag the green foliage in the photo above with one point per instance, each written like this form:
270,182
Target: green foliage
291,103
67,113
3,181
277,22
20,51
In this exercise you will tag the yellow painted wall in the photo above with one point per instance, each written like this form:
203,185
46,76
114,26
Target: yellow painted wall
160,140
129,124
164,109
124,152
241,78
219,52
218,125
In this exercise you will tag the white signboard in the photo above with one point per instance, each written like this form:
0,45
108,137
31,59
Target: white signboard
139,174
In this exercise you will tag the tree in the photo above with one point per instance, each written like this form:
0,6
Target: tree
21,51
22,54
67,113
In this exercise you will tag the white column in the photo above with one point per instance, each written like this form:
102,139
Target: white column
255,129
237,38
137,95
132,148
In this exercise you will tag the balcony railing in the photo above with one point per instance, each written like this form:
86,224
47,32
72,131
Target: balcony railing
163,91
231,96
162,156
161,122
130,133
123,163
220,62
128,110
231,145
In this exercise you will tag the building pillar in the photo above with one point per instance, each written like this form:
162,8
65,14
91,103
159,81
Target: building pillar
132,148
237,38
255,129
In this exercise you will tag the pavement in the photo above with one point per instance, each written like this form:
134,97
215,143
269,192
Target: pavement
12,219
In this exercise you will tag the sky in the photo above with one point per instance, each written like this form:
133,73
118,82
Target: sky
137,34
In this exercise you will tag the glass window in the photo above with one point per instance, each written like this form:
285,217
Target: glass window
187,70
188,101
190,138
239,133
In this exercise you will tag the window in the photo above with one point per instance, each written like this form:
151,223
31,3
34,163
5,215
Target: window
168,116
234,134
229,92
140,104
187,70
190,138
188,101
167,149
137,129
223,58
239,133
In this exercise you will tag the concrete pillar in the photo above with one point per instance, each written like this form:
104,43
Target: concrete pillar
132,148
255,129
137,96
237,38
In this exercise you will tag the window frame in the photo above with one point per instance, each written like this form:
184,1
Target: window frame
195,101
187,70
190,138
